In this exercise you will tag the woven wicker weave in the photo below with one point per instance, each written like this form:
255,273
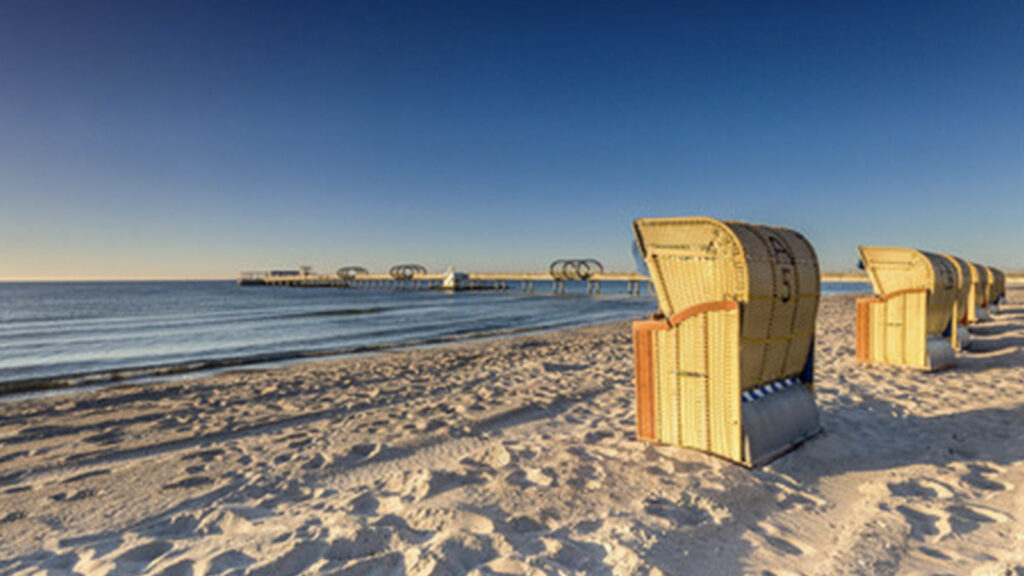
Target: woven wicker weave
999,285
963,286
916,296
977,296
959,337
738,304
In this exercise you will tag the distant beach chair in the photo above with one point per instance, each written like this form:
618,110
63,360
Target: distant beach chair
977,298
904,324
999,288
726,366
959,336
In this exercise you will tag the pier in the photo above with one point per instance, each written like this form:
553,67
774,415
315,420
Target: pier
416,277
493,281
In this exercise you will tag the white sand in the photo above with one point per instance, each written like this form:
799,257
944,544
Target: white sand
516,456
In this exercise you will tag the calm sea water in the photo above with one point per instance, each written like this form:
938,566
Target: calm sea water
72,334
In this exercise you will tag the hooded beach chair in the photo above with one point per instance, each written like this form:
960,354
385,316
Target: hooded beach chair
999,288
726,366
995,288
904,324
977,298
959,336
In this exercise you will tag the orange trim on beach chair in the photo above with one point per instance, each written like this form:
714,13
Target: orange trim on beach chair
643,355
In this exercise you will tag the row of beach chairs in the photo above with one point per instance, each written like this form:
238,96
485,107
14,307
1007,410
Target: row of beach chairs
922,306
727,364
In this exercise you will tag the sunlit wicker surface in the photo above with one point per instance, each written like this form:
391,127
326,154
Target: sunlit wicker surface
739,304
917,297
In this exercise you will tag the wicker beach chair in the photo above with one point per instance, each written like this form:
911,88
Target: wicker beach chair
904,324
726,366
977,297
959,336
999,288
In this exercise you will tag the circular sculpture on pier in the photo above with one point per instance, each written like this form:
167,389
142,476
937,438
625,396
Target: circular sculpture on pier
575,269
406,271
350,272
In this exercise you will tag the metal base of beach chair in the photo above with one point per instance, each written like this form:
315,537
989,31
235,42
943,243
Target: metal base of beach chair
963,336
778,422
938,353
983,315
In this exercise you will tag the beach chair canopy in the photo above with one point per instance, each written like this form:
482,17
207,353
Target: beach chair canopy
772,273
963,285
894,271
979,277
1000,284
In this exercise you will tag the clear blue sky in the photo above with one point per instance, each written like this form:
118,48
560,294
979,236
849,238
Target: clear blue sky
177,139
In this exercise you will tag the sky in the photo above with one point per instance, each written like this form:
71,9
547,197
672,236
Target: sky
145,140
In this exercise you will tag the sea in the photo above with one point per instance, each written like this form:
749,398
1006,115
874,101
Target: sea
72,336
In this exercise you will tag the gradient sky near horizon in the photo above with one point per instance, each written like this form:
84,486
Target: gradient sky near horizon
199,139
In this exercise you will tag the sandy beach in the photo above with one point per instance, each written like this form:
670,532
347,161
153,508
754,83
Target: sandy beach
516,456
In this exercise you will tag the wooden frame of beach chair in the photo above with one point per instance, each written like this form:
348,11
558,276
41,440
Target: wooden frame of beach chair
906,322
977,298
727,365
959,336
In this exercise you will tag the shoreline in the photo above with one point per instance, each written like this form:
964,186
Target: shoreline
17,390
514,455
142,375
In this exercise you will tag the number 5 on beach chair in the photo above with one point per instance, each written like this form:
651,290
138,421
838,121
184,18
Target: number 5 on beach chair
726,366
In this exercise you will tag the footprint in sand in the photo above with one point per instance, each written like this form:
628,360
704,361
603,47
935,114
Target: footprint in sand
114,436
299,441
365,504
964,518
526,477
575,555
525,525
976,478
933,553
923,526
597,436
433,520
180,568
796,500
783,545
678,513
389,563
190,482
921,488
782,541
12,517
85,475
367,541
204,455
363,451
73,495
137,559
317,462
494,457
424,484
230,561
296,561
